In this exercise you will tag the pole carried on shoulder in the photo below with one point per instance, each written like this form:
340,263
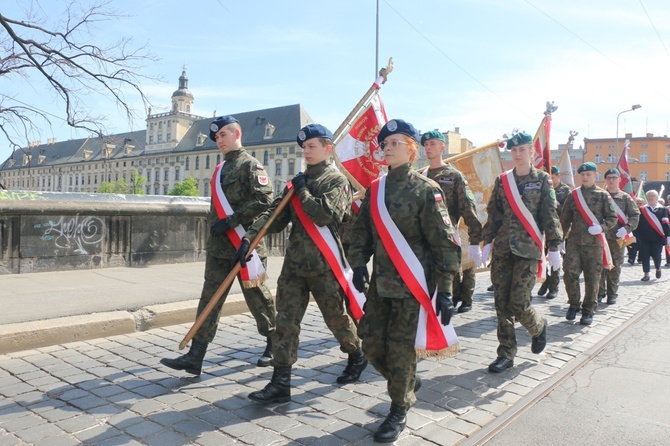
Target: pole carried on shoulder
233,273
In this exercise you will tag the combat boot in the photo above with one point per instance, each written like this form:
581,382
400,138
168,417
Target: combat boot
393,425
552,294
191,362
572,313
601,297
278,389
266,358
356,363
611,300
543,289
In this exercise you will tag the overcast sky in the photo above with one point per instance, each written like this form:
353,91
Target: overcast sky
485,66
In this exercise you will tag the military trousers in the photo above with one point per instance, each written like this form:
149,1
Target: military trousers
464,285
609,279
513,279
388,330
589,260
292,300
259,300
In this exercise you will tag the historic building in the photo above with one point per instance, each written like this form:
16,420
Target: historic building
174,146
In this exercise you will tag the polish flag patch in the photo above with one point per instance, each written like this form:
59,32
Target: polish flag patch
438,197
263,180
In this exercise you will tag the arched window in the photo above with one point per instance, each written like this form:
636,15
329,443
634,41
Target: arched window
197,163
265,158
188,163
207,163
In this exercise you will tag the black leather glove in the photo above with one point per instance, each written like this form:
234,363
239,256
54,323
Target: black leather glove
299,182
361,278
444,307
242,253
219,228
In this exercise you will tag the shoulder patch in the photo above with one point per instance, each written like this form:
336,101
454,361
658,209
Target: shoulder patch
259,167
263,180
552,194
438,197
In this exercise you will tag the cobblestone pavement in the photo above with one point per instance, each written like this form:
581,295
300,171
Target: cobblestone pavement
113,391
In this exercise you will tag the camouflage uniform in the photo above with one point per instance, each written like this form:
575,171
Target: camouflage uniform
583,250
515,254
249,196
389,326
327,201
562,191
609,280
460,203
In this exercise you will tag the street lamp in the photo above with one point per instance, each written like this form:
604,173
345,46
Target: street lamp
633,108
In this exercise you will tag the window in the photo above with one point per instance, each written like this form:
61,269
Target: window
667,176
160,124
124,164
611,146
197,163
188,163
643,146
160,137
176,173
188,109
291,167
643,175
291,150
218,159
598,146
667,157
206,166
610,158
599,158
169,123
165,189
278,168
265,158
644,157
278,150
167,175
168,137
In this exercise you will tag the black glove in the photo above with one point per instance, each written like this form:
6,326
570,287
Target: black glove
219,228
444,307
241,255
299,182
361,278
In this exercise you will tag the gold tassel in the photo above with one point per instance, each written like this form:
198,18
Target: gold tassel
445,353
256,282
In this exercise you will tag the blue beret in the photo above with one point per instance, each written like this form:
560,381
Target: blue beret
313,131
398,126
519,139
433,134
218,124
587,167
612,171
554,170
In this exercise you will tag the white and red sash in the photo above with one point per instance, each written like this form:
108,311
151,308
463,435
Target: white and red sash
623,220
652,219
329,248
591,220
525,217
432,338
254,273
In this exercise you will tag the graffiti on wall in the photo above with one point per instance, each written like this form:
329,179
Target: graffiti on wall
71,232
19,195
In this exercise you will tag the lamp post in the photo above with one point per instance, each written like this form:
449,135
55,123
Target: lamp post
633,108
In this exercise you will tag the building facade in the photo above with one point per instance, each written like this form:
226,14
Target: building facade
576,158
174,146
648,160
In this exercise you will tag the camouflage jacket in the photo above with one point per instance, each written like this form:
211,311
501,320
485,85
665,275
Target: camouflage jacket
327,201
460,201
600,203
247,187
505,230
415,203
630,210
562,191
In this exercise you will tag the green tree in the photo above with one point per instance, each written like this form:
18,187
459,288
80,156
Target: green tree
186,188
118,187
137,183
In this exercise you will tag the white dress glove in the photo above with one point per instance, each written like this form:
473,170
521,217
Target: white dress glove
621,232
475,254
561,247
595,229
555,260
667,240
486,253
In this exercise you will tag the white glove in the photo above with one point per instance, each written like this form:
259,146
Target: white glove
475,254
561,247
486,253
621,232
667,239
595,229
555,260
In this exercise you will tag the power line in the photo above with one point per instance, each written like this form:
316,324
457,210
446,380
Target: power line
655,30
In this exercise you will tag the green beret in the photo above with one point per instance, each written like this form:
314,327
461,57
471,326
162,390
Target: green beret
433,134
519,139
587,167
612,171
554,170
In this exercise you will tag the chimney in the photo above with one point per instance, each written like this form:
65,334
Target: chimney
628,135
457,130
650,135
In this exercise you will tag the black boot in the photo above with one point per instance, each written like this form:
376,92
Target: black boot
266,358
191,362
278,389
355,366
393,425
543,289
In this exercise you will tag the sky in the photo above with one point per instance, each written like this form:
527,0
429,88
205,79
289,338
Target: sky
484,66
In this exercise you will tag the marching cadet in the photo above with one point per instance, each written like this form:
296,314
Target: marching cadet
628,216
460,202
322,200
241,191
522,207
587,215
404,223
562,191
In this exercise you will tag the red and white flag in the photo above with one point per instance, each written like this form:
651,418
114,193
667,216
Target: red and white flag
625,183
358,151
541,144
